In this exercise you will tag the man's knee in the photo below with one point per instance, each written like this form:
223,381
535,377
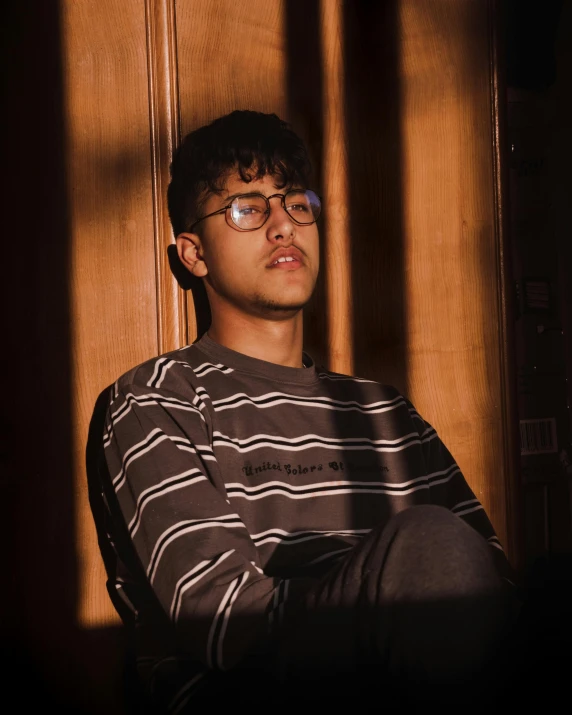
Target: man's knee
434,551
442,594
432,525
428,516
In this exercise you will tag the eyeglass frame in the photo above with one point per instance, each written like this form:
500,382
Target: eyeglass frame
267,212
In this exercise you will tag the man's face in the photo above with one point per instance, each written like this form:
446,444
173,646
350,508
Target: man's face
239,267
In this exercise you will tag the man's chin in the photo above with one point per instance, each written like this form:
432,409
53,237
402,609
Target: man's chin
283,309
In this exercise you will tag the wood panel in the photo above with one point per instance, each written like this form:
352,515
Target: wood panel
112,270
453,248
336,252
231,56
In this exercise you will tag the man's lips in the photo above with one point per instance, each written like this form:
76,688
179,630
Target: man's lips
289,265
286,259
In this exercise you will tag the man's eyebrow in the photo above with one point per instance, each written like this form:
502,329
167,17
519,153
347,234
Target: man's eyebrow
230,198
234,196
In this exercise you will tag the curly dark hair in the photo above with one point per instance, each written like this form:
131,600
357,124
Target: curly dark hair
252,143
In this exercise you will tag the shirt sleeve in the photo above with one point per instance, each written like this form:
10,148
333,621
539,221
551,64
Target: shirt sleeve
449,488
195,551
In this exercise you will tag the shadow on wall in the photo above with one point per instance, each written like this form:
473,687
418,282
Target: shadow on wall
41,644
305,112
372,127
375,159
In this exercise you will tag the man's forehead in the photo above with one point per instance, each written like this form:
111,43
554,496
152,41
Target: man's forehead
234,184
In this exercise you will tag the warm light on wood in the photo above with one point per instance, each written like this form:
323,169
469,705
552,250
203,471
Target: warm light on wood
451,241
112,259
336,192
164,127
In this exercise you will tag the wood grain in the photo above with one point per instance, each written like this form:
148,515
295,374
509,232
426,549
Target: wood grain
162,70
455,318
337,251
112,256
505,294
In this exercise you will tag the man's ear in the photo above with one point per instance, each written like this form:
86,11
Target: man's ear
191,255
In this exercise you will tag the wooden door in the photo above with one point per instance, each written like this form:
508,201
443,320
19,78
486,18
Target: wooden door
398,102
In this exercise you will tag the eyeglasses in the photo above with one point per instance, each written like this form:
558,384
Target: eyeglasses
251,211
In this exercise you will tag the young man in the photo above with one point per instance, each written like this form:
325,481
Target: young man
271,517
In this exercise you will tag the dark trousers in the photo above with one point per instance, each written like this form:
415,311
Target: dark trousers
415,615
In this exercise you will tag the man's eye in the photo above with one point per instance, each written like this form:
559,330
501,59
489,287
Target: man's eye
299,208
249,210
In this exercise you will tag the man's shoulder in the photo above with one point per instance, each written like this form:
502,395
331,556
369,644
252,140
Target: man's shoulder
377,396
169,371
361,384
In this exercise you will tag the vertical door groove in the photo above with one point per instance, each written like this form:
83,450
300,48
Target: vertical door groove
505,308
165,135
337,251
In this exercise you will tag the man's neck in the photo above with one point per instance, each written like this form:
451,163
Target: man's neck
276,341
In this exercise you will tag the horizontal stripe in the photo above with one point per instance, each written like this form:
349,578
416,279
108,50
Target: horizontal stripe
279,536
304,442
273,399
207,367
325,492
236,489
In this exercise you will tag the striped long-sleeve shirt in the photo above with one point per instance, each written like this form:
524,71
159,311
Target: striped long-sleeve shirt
237,483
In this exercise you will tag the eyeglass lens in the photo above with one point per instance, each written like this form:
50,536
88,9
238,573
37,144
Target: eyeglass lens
250,211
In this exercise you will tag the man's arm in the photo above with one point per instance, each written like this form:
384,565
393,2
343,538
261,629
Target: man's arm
196,552
450,489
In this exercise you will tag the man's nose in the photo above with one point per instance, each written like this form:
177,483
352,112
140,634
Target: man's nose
280,224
